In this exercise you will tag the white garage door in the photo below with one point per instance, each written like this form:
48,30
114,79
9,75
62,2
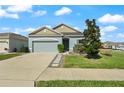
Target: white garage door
3,45
45,46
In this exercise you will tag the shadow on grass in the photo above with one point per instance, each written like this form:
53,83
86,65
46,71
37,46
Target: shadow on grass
93,56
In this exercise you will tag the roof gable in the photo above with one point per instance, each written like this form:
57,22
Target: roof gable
44,31
62,28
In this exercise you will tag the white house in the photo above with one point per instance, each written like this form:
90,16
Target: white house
11,41
45,39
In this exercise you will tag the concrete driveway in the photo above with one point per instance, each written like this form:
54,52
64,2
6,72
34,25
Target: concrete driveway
24,70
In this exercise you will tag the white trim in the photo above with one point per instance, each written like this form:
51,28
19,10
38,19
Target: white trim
45,39
45,35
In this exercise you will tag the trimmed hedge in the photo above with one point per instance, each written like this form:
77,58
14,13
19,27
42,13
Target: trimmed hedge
60,48
24,49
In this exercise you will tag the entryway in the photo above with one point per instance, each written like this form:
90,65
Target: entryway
66,44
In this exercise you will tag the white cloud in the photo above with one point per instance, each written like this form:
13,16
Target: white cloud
109,28
2,12
29,29
21,30
40,13
13,10
102,38
17,32
20,8
103,33
14,16
49,26
5,14
108,18
120,35
76,28
106,29
63,11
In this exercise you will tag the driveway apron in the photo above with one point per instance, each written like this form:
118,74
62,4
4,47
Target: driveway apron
25,68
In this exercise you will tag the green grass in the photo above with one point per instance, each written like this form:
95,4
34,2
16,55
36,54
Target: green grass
79,83
7,56
79,61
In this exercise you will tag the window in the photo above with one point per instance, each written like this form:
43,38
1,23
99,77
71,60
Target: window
79,41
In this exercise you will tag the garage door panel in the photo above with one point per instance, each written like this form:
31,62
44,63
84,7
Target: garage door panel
3,45
47,46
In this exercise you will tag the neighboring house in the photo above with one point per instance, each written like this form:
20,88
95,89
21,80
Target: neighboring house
11,41
120,47
45,39
114,45
107,46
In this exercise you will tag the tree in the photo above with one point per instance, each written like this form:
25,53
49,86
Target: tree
91,41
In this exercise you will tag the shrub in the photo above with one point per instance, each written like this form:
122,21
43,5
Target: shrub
14,50
106,52
24,49
5,48
60,48
78,48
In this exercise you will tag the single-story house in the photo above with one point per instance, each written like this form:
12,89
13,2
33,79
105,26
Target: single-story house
45,39
119,47
114,45
11,41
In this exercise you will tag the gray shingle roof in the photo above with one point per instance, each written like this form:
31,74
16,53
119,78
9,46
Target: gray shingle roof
73,32
12,35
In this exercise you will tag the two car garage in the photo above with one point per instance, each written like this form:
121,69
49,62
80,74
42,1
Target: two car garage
45,45
3,45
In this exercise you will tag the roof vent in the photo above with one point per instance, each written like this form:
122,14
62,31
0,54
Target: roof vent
61,26
45,30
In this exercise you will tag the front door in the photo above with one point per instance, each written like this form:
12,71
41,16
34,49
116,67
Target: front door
66,44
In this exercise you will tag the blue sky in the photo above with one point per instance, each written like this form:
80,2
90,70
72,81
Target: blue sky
26,18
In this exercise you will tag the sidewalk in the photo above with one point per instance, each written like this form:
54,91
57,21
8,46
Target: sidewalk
82,74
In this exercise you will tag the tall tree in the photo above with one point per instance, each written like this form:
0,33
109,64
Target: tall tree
91,41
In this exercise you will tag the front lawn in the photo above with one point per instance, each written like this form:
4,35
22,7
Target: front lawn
79,83
114,61
7,56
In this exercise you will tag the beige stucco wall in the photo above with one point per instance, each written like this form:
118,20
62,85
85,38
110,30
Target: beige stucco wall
45,32
64,29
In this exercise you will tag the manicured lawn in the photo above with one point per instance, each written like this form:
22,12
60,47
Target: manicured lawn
80,83
7,56
114,61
